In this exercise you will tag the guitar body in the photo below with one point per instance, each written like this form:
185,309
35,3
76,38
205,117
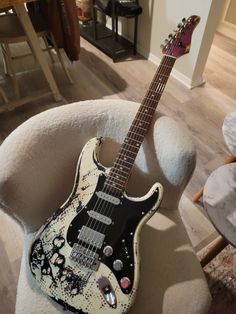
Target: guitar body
86,256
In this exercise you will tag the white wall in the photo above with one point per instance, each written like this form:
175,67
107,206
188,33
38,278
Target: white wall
227,24
160,18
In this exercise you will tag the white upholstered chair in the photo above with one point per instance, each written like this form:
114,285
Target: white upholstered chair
37,170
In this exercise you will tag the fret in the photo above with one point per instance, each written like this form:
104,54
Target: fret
139,127
122,171
132,159
140,120
122,154
153,100
163,75
117,176
154,91
124,161
135,146
144,106
132,139
135,133
114,179
146,114
121,166
166,66
113,184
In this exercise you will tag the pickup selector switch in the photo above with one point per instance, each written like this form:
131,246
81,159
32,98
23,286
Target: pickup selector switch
117,265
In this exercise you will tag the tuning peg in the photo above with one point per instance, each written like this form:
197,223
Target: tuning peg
166,41
184,20
170,36
179,25
162,46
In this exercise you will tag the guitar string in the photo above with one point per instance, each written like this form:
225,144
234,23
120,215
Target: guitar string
157,88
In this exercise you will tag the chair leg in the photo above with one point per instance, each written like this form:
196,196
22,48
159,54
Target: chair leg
48,49
60,59
199,194
5,61
2,93
212,250
8,56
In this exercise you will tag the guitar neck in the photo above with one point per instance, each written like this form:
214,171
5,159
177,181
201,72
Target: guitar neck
119,173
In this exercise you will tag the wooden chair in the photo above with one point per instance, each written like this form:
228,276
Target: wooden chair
11,32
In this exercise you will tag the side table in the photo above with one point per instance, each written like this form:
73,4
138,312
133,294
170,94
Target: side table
229,133
219,196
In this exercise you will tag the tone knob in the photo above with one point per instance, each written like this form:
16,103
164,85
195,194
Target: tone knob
108,250
125,282
117,265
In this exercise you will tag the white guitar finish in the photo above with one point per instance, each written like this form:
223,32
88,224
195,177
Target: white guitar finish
51,247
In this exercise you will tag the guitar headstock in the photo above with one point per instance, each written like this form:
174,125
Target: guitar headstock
179,44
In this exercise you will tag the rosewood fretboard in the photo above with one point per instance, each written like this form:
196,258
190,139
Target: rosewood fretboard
119,173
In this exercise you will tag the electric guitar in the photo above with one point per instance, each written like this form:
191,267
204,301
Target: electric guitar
86,256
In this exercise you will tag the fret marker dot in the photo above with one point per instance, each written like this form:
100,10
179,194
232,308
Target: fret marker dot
145,110
121,168
125,158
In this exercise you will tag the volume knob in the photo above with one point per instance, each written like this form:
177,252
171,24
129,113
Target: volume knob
108,250
117,265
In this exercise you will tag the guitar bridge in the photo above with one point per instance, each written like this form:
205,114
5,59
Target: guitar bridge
84,257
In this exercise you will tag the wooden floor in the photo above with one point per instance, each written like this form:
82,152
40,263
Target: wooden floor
202,109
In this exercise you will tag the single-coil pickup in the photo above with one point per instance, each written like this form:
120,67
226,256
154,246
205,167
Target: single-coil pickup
99,217
109,198
92,237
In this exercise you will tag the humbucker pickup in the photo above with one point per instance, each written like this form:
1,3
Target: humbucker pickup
92,237
109,198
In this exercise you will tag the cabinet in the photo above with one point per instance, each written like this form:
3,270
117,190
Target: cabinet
107,38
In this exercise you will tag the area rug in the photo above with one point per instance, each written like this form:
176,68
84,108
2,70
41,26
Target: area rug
221,277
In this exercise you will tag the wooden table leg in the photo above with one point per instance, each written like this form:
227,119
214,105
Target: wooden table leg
213,249
34,42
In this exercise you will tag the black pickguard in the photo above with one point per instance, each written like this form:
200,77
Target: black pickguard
120,234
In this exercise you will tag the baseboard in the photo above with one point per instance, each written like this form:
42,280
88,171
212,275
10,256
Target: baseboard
175,73
227,29
156,60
